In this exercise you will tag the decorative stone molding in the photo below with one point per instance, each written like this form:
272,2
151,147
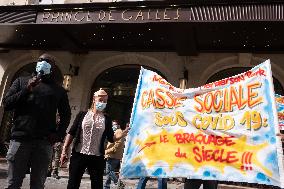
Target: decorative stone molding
218,66
245,59
242,60
119,60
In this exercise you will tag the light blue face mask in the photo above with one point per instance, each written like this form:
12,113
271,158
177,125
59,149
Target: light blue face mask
100,106
43,67
114,127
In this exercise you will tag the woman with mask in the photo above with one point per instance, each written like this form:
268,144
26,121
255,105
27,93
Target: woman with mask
89,131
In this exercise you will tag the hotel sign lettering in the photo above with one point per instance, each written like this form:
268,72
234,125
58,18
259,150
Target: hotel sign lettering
114,16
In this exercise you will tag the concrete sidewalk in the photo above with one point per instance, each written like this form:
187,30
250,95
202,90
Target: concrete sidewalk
52,183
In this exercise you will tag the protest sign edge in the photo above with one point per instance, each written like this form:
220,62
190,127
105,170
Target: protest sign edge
137,93
276,128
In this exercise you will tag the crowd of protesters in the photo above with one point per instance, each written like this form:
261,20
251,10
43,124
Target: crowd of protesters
41,117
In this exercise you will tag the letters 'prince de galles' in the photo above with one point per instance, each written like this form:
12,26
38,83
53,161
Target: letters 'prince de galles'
88,16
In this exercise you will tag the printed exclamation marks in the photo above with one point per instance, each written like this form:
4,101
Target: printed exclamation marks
246,161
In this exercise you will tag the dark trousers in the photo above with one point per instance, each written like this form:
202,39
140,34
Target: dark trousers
196,183
34,154
78,163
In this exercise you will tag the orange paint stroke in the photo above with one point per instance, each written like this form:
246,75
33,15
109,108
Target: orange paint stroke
148,144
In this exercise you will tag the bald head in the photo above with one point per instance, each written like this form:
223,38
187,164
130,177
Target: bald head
100,96
48,58
100,92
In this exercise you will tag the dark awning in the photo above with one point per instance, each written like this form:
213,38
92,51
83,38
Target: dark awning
187,27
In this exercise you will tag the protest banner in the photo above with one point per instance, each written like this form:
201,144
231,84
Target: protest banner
225,130
280,110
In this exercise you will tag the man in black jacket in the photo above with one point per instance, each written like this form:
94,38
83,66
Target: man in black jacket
35,101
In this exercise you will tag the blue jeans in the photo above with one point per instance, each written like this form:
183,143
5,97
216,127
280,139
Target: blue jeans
111,164
162,183
36,154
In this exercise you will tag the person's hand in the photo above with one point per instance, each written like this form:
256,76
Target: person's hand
125,131
63,158
33,82
120,135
